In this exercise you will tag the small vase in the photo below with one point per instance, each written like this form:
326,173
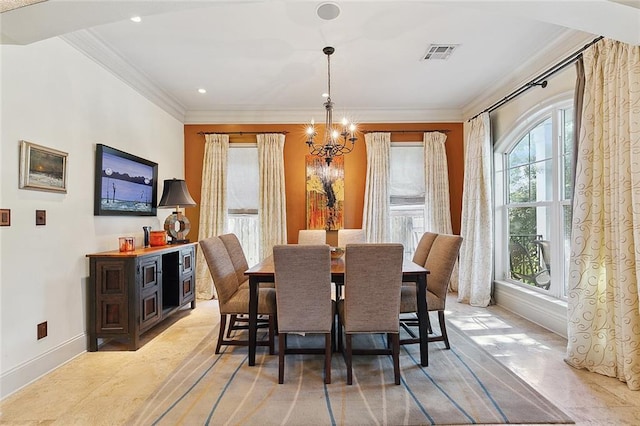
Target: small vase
147,231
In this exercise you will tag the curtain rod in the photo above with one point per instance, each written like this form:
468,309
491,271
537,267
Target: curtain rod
406,131
239,133
540,80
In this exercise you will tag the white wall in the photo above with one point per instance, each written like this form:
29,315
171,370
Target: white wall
55,96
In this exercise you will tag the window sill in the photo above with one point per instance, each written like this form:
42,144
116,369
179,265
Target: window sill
544,310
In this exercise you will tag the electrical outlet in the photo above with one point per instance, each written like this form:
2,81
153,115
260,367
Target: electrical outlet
42,330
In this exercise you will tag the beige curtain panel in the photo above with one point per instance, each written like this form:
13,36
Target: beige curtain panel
604,315
273,203
376,211
476,261
213,205
436,195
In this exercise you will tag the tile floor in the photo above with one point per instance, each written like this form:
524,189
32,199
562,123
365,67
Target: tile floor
106,387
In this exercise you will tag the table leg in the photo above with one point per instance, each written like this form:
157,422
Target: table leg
253,318
421,295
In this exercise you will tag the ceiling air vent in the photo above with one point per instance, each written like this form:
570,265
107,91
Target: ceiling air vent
439,51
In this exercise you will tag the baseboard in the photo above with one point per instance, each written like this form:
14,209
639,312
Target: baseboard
548,312
15,379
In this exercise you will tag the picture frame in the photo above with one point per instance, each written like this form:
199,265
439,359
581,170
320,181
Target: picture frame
125,184
42,168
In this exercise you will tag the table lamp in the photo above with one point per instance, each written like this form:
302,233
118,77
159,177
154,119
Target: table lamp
176,194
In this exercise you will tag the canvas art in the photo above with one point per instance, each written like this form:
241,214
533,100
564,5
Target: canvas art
325,193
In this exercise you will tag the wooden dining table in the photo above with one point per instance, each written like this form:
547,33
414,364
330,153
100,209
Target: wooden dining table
264,272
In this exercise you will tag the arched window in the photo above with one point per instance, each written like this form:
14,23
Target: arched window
534,187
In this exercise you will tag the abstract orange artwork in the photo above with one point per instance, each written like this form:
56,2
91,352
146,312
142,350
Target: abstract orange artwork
325,193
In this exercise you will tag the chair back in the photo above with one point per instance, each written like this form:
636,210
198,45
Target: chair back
303,288
239,260
423,248
373,278
350,236
221,268
440,262
312,236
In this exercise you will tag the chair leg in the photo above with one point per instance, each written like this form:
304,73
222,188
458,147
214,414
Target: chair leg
443,330
232,323
347,359
328,348
395,349
282,346
223,325
272,333
429,329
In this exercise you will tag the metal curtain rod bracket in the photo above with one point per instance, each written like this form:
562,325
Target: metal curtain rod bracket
540,80
407,131
241,133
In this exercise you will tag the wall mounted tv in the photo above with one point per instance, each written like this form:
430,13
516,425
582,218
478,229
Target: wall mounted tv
125,184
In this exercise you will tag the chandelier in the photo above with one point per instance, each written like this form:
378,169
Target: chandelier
337,140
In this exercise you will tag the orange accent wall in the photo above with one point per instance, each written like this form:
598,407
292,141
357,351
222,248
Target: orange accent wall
355,168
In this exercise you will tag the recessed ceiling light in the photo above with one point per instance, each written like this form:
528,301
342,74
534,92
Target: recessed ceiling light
328,11
202,90
136,19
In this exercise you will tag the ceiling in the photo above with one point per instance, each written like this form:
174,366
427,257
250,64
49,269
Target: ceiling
262,61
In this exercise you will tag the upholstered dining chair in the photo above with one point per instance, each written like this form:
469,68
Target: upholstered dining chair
371,304
350,236
440,262
240,264
423,248
232,299
303,293
312,236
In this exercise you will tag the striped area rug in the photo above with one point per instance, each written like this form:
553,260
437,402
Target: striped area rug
464,385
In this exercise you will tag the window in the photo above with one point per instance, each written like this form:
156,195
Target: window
534,186
406,165
242,198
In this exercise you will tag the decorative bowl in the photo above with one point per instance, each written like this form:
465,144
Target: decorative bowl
337,252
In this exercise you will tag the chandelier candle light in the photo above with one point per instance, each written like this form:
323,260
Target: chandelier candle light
336,141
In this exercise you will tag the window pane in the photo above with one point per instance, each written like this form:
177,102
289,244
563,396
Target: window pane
567,153
407,227
541,141
542,180
529,246
519,184
520,154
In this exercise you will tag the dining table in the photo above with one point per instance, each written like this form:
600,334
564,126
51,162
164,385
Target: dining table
264,272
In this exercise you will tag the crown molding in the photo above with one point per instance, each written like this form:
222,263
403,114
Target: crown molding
564,45
87,42
293,116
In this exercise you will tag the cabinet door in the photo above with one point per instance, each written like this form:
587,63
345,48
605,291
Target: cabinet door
148,280
187,275
111,286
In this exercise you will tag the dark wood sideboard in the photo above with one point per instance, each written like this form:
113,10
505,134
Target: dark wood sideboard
130,292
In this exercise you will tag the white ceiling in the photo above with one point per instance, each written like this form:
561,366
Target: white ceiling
262,60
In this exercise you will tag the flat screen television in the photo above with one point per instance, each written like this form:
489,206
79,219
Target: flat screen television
125,184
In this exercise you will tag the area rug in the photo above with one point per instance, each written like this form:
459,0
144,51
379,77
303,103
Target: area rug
463,385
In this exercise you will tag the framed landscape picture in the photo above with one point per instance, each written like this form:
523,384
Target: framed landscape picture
124,184
42,168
